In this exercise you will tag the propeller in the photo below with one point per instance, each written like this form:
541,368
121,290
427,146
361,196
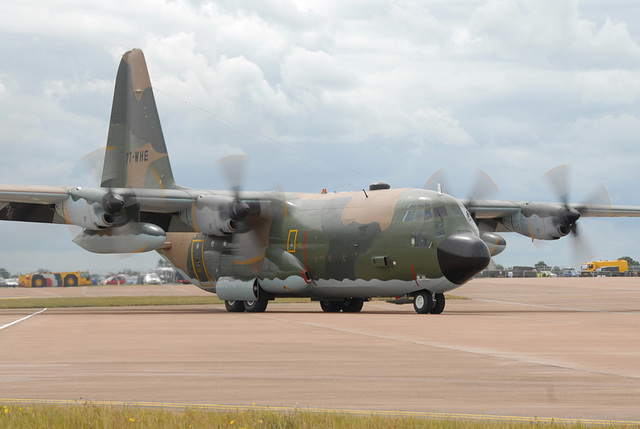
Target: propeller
112,204
558,179
233,169
249,237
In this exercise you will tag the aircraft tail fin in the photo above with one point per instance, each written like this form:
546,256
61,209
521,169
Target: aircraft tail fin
136,155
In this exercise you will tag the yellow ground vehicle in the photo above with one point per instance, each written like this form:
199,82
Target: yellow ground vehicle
75,278
620,266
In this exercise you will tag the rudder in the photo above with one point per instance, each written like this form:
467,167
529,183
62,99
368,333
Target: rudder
136,154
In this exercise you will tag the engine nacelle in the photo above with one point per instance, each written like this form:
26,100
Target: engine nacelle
496,243
210,215
133,237
82,213
534,226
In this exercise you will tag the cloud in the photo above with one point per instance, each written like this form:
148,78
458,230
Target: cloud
552,33
335,92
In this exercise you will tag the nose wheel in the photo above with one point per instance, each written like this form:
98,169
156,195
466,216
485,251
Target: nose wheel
424,302
438,306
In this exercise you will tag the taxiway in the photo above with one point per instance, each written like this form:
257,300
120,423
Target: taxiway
563,348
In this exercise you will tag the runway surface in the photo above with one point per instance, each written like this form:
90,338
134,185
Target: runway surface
563,348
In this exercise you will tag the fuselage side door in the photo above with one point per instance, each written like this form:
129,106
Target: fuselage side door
198,262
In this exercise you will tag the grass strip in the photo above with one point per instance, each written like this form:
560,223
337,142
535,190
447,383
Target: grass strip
107,301
120,301
89,415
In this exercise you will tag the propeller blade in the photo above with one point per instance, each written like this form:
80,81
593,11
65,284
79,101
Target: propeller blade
599,198
484,188
581,248
233,169
438,178
558,178
92,163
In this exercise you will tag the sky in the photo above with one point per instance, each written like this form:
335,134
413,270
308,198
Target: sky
331,94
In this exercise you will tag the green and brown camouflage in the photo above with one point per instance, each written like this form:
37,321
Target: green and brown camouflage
136,154
249,247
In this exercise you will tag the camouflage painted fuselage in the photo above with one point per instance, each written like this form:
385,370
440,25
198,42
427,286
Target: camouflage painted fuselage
378,243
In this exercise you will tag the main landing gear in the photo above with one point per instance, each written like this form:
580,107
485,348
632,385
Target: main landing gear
425,302
259,305
347,305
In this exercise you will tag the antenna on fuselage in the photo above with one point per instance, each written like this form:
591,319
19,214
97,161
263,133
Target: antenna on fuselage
439,188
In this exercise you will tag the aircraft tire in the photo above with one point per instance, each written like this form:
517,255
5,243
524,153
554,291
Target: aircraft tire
352,305
257,306
331,306
438,306
234,306
423,302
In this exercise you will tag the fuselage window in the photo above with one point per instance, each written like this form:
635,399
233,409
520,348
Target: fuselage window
408,216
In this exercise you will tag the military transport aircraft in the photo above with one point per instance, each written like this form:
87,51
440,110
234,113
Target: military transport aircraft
340,249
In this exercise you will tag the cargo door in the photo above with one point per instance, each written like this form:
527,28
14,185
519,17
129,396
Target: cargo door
198,262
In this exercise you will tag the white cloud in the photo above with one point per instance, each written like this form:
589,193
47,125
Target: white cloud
612,87
378,88
552,32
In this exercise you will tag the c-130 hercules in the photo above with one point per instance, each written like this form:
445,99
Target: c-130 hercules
340,249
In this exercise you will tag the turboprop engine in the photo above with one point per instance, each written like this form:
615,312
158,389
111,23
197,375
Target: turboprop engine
82,208
543,222
133,237
216,214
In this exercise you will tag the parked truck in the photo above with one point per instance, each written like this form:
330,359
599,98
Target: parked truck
41,279
615,268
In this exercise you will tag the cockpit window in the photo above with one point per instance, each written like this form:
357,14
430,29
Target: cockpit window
418,211
441,211
418,215
454,211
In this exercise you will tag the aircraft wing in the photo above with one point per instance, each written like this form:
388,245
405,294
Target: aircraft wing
606,211
497,209
539,220
44,204
31,203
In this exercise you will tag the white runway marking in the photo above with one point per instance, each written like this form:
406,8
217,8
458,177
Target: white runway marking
21,320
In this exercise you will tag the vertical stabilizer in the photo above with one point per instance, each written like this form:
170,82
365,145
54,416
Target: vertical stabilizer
136,155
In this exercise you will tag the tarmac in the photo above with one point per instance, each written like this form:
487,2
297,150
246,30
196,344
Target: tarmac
513,349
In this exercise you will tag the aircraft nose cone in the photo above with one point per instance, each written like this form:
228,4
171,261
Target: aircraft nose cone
462,256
